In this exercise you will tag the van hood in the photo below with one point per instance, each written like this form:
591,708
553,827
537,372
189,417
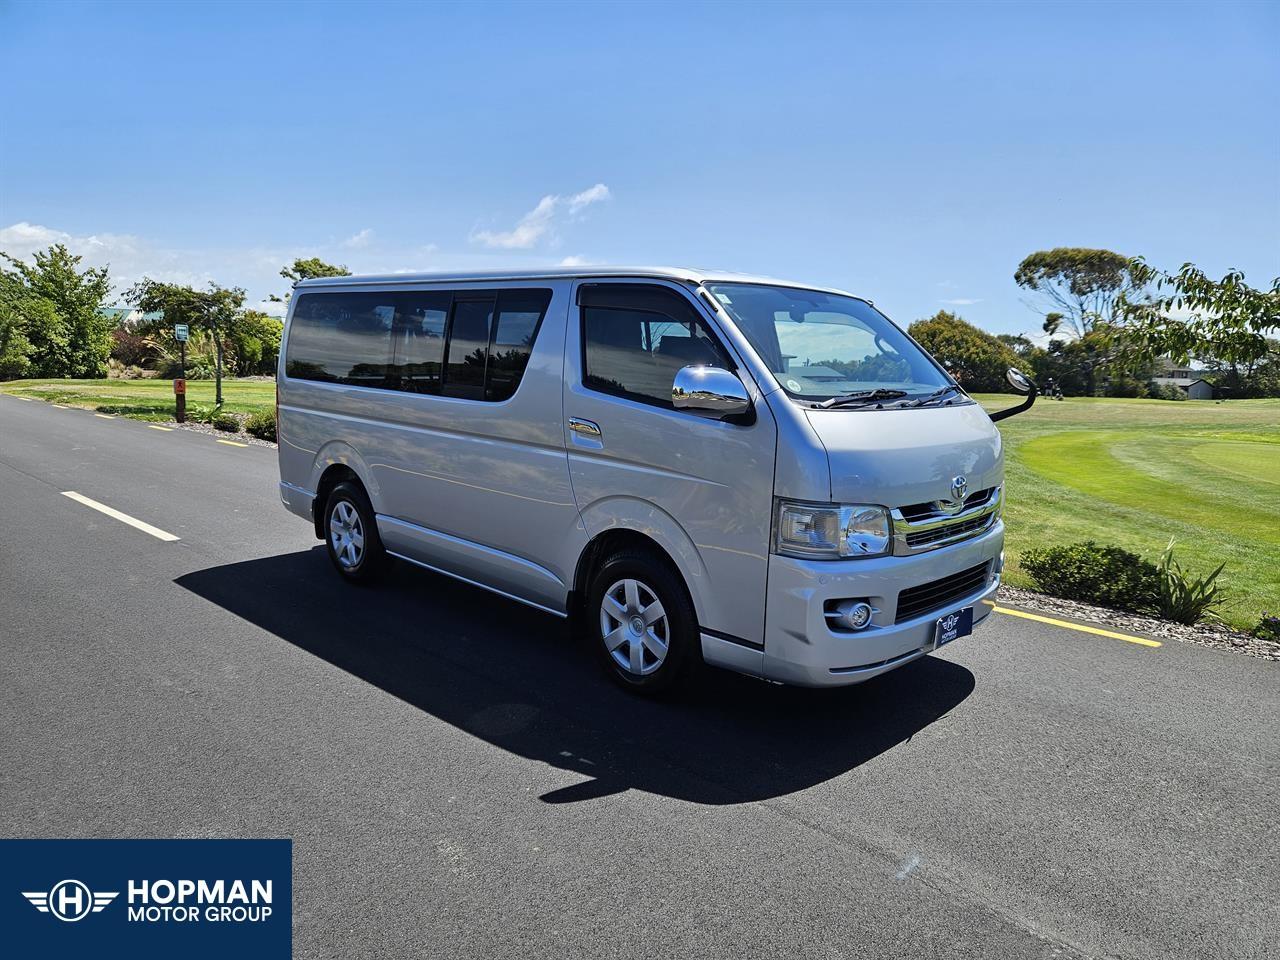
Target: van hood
900,457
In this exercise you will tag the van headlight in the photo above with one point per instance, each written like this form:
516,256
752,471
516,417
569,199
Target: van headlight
831,531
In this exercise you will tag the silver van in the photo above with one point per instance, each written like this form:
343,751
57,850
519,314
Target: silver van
696,467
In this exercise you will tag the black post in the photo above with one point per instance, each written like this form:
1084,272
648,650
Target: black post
181,398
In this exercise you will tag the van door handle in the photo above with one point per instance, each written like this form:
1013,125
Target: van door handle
585,428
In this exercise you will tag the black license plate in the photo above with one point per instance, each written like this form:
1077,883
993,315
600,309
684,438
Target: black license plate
953,625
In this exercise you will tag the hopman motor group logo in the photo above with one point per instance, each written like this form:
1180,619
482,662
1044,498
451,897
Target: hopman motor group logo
70,900
162,901
152,899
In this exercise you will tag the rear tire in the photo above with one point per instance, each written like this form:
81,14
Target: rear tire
641,623
351,534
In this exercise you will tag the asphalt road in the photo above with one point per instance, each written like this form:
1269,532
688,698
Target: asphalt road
459,780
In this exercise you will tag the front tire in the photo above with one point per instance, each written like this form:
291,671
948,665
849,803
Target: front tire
641,622
351,534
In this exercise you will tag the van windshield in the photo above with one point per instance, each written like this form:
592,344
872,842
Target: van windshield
823,345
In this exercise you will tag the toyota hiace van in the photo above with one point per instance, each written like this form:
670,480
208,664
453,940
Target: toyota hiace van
695,467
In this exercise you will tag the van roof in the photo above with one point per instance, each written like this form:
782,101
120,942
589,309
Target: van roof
564,273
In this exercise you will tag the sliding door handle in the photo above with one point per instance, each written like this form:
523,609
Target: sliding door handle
585,428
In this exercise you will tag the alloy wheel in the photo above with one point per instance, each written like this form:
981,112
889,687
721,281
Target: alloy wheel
634,627
346,534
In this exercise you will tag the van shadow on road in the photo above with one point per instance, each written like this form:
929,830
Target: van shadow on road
517,679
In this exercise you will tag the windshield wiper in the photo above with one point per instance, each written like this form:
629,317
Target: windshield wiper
936,395
861,398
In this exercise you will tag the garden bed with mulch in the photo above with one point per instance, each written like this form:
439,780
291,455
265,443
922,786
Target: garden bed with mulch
1205,634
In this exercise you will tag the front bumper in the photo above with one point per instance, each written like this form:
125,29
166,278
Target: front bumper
802,648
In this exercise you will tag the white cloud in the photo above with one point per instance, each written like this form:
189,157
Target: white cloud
359,240
575,261
131,258
587,197
540,222
257,268
961,301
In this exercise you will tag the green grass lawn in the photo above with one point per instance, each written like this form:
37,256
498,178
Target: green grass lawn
1136,472
146,399
1127,472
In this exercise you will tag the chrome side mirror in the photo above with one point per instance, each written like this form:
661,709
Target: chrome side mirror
1023,384
711,391
1019,380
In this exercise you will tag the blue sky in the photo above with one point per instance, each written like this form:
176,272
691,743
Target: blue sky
911,153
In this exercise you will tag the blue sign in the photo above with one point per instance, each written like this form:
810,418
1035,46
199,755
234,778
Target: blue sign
147,898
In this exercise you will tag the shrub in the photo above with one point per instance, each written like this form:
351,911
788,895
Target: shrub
1268,628
262,425
1165,391
1183,598
130,349
1122,386
1091,573
225,422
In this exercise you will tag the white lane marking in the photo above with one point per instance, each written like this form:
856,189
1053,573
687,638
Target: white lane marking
23,399
165,429
104,416
122,517
58,406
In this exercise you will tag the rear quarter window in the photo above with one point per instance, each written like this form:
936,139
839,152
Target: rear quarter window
341,338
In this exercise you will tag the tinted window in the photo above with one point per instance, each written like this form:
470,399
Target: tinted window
468,345
519,313
417,341
468,348
341,338
637,352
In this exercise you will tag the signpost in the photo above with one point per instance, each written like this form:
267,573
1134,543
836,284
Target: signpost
180,331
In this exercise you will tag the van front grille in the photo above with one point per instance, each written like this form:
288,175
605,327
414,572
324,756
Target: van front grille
938,594
927,526
947,531
923,511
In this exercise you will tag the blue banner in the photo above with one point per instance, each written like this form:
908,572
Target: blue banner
147,898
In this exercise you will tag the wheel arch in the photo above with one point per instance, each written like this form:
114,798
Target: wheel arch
333,464
652,531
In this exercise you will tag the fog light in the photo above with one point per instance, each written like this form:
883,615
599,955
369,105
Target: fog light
854,614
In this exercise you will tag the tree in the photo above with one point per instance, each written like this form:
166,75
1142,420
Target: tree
975,358
15,348
216,310
307,269
1080,288
1075,364
1193,315
255,342
59,306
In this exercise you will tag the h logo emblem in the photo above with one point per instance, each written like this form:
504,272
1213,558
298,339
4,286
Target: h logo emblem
69,900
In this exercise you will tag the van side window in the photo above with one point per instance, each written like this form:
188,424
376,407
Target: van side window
474,345
636,337
342,338
519,313
417,341
468,350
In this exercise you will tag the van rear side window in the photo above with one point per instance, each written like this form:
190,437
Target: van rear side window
417,341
